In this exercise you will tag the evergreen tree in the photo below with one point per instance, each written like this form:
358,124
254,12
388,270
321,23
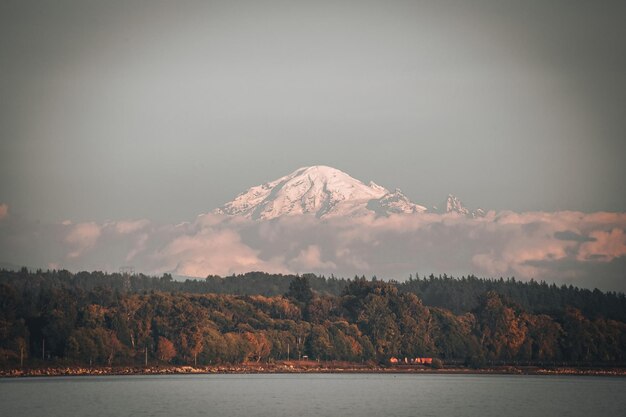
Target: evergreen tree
300,290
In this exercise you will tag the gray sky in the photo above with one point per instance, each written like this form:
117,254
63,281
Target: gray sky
163,110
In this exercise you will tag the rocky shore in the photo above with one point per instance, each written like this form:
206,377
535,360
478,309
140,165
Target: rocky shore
300,368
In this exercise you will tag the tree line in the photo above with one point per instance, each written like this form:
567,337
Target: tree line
113,319
458,294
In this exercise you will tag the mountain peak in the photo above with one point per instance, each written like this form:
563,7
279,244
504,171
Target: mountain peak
325,191
318,190
323,169
454,205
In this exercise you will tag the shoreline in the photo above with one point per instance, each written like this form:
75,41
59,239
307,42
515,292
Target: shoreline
291,369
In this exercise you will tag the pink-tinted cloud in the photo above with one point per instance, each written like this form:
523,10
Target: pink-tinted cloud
130,226
82,237
139,247
211,251
605,247
310,259
4,210
553,246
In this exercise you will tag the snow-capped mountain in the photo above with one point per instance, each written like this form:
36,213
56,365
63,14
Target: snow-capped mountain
324,192
454,205
321,191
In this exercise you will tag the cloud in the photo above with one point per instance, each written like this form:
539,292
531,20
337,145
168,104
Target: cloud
568,246
310,259
82,237
569,235
604,247
4,210
130,226
525,245
139,246
211,251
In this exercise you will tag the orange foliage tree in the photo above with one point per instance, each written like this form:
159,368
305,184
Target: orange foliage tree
166,350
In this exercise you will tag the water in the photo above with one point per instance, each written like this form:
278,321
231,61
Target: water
303,395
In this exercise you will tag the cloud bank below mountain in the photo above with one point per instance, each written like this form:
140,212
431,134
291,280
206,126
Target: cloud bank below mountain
584,249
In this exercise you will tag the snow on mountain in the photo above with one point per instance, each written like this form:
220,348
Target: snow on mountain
394,202
454,205
324,192
319,190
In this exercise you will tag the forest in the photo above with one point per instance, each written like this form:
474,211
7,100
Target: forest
96,318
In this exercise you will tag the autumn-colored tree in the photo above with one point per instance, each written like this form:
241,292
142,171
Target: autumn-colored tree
416,326
380,324
501,330
319,344
259,346
166,350
95,318
237,348
319,310
113,346
544,335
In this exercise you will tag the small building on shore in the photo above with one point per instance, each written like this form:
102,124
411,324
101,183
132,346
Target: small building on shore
411,361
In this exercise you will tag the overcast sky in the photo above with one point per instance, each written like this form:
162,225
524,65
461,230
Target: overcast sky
163,110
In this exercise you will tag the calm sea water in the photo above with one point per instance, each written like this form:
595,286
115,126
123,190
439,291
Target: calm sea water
314,395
